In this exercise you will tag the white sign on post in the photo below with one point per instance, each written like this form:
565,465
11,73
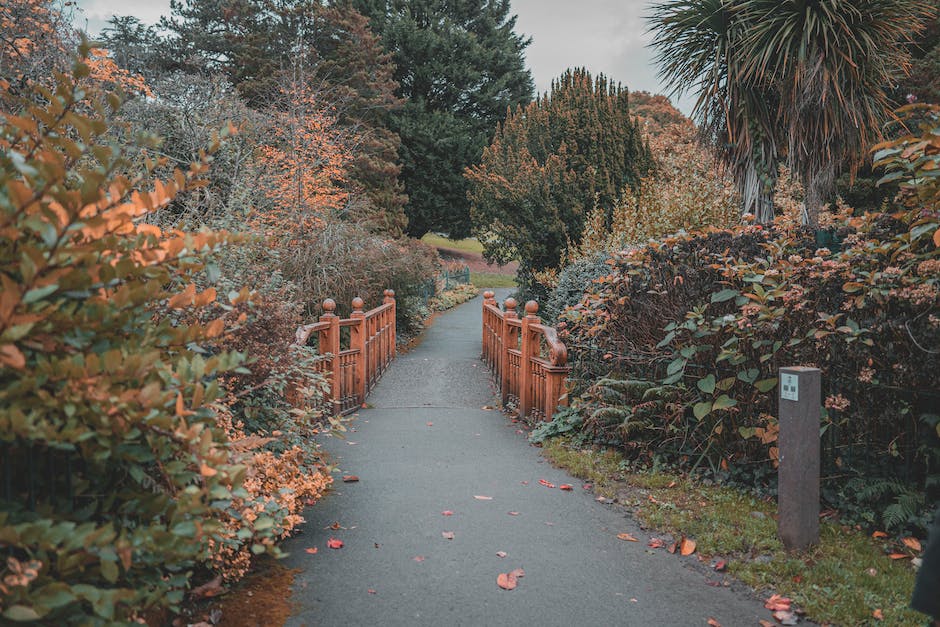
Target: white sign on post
789,387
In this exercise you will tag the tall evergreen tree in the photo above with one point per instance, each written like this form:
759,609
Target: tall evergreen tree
550,163
459,66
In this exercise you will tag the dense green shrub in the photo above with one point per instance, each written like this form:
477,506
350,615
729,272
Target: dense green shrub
714,314
123,471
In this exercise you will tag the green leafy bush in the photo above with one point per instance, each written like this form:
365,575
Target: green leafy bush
121,474
714,314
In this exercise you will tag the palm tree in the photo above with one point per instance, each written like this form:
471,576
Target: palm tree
800,79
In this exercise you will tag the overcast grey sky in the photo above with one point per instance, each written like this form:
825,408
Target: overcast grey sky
606,36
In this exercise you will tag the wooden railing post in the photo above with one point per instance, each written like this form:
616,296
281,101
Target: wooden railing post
508,340
390,298
329,343
488,358
358,334
530,349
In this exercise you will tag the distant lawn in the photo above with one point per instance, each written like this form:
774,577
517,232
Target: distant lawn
470,244
491,279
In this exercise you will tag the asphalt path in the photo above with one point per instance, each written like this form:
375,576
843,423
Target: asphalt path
428,446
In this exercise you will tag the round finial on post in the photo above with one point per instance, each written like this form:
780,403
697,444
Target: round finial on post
510,304
531,308
488,295
389,295
357,305
329,305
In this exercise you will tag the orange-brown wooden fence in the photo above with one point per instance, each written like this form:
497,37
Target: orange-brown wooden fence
526,357
353,369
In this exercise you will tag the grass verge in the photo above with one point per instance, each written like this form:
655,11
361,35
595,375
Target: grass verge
492,279
470,244
845,580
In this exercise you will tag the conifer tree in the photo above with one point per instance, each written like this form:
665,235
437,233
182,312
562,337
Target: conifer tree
459,66
550,164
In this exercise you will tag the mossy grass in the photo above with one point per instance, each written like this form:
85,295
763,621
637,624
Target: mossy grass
492,279
470,244
842,581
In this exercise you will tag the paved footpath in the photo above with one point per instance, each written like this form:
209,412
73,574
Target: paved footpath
427,446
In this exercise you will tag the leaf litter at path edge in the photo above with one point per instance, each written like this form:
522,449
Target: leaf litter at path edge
508,581
350,478
627,537
546,483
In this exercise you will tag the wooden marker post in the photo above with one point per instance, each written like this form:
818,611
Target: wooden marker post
798,442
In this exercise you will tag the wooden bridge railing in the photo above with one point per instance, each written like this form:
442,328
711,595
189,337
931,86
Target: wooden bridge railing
353,370
526,357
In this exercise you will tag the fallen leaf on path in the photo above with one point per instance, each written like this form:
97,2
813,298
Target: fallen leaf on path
486,408
765,623
430,424
720,565
519,432
333,543
524,482
878,615
335,527
899,556
482,498
350,478
312,550
627,537
447,512
501,553
371,591
418,558
566,487
546,483
672,547
352,443
912,543
656,543
504,581
879,534
778,603
713,623
587,486
518,573
211,588
513,513
447,535
550,524
687,546
786,618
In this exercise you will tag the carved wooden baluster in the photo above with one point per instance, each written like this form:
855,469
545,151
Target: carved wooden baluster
357,341
508,335
530,348
392,317
488,324
329,343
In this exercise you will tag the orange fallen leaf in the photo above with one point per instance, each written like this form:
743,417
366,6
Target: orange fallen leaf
656,543
765,623
482,498
566,486
878,615
312,550
447,535
587,486
333,543
447,512
371,591
713,623
672,484
899,556
505,581
627,537
524,482
687,546
336,526
513,513
350,478
778,603
721,565
546,483
672,547
912,543
879,534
